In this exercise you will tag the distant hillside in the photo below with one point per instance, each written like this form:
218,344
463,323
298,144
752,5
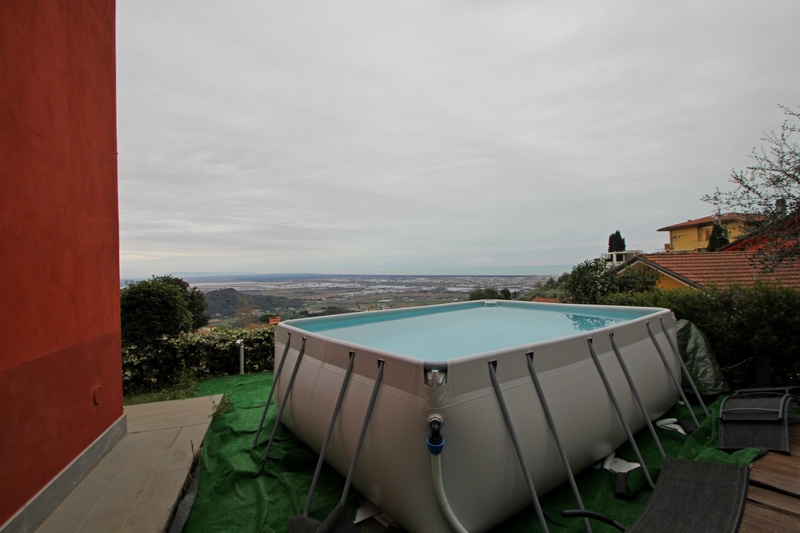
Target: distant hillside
224,303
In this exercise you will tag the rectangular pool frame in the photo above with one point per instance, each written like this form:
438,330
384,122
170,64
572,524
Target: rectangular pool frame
481,479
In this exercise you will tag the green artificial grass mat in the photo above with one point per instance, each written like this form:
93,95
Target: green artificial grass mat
238,493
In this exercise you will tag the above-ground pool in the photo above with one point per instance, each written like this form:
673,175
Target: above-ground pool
439,363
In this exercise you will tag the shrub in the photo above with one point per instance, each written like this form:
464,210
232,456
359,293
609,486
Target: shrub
217,354
170,360
161,305
591,281
490,294
741,323
150,309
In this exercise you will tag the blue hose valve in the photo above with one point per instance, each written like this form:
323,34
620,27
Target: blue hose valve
435,440
435,449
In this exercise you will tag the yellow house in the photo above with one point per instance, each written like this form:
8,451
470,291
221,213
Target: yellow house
693,235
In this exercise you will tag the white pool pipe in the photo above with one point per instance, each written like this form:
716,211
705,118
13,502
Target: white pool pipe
240,344
441,497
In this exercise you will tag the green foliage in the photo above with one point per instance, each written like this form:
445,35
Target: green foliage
718,238
637,280
217,354
484,294
195,301
150,309
552,288
615,242
305,313
741,323
161,305
492,294
591,281
194,356
185,388
153,312
223,407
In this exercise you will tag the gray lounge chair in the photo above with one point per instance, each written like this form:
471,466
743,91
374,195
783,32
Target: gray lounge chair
690,496
756,418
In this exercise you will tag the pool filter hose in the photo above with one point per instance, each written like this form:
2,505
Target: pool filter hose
441,497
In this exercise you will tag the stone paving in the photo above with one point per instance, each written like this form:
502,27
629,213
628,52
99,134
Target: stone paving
137,484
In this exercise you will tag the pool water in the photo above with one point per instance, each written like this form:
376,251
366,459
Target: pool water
440,333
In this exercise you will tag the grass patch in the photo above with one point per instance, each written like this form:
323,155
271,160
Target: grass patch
222,407
185,389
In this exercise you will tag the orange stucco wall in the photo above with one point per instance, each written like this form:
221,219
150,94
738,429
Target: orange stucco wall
60,371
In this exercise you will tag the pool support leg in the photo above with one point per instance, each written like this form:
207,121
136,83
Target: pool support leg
621,416
675,380
367,416
684,369
275,376
510,425
554,431
636,395
285,399
337,520
321,460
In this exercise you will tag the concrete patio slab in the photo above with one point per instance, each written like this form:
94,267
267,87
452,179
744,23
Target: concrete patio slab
137,484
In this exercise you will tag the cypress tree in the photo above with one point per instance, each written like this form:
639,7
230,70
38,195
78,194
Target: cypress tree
615,242
718,238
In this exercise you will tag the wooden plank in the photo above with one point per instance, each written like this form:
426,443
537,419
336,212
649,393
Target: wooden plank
774,500
777,471
758,519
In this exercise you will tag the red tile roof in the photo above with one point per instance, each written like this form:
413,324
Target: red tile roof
706,269
705,221
758,241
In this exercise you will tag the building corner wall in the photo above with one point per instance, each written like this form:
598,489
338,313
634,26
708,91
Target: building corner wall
60,367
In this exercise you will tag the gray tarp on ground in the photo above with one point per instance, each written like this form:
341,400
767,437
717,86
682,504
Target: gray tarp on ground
699,359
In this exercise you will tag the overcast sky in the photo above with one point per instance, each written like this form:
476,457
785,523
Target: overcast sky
398,136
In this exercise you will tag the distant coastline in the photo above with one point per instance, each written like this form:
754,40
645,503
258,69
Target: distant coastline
490,271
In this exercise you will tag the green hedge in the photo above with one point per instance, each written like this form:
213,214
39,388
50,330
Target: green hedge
195,356
741,323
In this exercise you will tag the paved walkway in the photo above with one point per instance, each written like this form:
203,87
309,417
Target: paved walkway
136,486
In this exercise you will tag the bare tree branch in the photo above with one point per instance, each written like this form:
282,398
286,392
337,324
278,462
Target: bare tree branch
769,192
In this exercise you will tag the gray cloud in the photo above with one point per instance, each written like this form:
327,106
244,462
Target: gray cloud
426,136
